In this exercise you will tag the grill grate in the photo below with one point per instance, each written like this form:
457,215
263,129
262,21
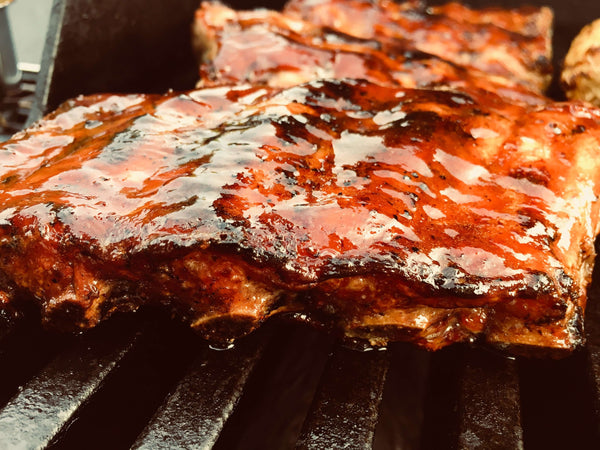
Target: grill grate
193,416
152,384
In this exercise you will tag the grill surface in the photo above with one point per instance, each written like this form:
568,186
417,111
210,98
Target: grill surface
146,382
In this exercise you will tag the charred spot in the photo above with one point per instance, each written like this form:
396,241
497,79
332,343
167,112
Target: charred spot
536,175
576,322
290,130
9,179
542,64
423,125
578,129
452,283
334,89
567,284
549,312
540,283
526,221
358,94
553,312
528,217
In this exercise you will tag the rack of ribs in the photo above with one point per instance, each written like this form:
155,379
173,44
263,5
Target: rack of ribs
386,213
405,197
282,51
509,43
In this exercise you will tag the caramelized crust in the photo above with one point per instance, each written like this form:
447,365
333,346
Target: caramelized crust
389,213
515,44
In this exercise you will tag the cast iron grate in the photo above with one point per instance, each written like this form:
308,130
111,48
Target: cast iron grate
145,382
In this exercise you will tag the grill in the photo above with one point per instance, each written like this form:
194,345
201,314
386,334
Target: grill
144,381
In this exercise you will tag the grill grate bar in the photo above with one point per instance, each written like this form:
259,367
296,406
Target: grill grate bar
48,402
346,406
280,390
25,349
489,403
400,423
195,413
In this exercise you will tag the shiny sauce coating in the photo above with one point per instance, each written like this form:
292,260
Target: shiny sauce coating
283,51
515,44
456,193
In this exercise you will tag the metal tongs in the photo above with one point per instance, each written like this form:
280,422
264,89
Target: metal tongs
10,74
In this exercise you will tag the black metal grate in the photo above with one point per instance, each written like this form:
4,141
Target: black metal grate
144,382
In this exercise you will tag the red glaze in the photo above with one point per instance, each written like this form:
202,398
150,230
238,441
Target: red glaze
282,51
422,197
515,44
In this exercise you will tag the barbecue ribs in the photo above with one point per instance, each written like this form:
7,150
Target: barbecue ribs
509,43
283,51
403,179
387,213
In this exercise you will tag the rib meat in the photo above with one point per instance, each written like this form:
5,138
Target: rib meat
432,216
282,51
511,43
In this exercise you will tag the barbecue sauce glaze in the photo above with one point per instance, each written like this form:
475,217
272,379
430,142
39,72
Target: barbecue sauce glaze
434,215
